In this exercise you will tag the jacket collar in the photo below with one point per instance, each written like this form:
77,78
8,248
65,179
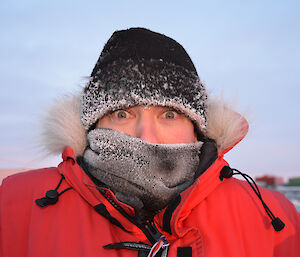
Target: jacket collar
190,198
87,189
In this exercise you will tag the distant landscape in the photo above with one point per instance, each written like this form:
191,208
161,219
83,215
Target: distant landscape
5,173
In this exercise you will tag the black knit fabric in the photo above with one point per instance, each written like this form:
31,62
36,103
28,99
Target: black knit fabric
143,44
141,67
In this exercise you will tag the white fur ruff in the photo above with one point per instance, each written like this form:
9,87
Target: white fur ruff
62,126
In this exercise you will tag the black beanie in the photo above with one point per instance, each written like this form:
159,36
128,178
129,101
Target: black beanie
141,67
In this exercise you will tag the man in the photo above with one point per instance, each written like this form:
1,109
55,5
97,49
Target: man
143,172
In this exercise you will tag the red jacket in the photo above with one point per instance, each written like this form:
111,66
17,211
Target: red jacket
212,218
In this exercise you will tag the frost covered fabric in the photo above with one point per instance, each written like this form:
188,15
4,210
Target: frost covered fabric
144,175
126,83
142,67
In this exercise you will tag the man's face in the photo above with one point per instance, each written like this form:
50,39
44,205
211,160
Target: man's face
154,124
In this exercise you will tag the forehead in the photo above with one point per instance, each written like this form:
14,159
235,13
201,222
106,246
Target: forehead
151,109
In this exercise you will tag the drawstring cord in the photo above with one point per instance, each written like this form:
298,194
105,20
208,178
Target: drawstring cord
51,195
160,248
128,245
228,172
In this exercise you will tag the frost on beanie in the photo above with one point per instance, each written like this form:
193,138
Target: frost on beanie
141,67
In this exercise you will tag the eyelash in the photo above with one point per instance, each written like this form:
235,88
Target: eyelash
116,113
174,112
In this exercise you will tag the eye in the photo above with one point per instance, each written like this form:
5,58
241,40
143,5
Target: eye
121,114
170,114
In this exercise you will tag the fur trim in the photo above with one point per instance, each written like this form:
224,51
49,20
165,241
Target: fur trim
62,126
224,125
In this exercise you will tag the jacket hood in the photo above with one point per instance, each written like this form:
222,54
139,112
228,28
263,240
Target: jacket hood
61,126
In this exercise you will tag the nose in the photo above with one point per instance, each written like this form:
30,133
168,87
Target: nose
147,131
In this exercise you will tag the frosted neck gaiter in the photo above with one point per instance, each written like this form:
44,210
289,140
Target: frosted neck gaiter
144,175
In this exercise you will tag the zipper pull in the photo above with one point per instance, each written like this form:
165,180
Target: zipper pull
151,232
159,242
161,245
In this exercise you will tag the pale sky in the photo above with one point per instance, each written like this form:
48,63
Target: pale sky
249,51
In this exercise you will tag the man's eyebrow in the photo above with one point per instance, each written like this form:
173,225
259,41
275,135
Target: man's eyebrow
174,109
120,109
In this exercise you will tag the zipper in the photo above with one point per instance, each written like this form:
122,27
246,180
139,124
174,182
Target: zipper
151,231
148,228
